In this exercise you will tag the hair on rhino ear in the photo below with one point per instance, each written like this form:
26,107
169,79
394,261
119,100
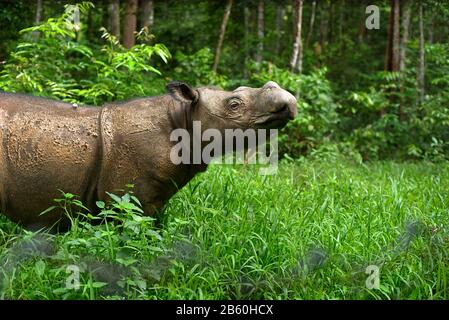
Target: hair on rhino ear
182,91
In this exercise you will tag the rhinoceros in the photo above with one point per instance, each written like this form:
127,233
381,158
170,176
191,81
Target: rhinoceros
47,145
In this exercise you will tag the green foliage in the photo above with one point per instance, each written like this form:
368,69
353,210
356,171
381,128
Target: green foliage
343,97
58,65
124,243
308,232
14,16
406,129
373,135
196,69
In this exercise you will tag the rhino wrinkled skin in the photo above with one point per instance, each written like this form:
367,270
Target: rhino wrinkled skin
47,146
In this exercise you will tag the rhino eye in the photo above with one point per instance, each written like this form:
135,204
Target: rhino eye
234,104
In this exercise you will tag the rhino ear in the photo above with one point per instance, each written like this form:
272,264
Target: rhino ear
181,113
182,91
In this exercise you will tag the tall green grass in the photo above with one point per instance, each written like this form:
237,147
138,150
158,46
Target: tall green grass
308,232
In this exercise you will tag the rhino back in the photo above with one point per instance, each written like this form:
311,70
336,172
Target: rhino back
46,145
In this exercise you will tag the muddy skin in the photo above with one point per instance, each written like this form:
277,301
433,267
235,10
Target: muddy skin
47,145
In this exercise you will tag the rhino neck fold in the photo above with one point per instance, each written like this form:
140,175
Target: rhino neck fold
180,114
91,193
105,129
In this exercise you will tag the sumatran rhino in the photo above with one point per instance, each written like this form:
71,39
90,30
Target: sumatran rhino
47,146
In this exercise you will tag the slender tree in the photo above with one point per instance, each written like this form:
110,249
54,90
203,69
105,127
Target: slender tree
405,20
129,23
331,21
362,27
341,21
393,45
224,23
324,24
280,13
396,46
296,59
260,30
147,15
431,26
405,24
246,19
421,70
114,17
311,23
38,17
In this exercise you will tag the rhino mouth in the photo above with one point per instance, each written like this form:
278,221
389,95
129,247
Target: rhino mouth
272,124
275,120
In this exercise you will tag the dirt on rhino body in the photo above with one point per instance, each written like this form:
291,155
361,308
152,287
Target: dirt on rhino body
48,145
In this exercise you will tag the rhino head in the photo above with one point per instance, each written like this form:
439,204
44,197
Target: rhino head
268,107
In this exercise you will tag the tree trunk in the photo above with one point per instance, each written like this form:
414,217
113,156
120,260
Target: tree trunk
311,23
147,17
406,11
246,17
296,59
396,36
38,18
260,31
392,55
114,18
432,26
38,12
324,24
405,20
222,33
393,46
341,18
129,23
362,27
280,12
421,88
331,21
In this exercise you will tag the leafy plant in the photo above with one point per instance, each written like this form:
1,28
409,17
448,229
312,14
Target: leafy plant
386,120
60,65
118,238
196,69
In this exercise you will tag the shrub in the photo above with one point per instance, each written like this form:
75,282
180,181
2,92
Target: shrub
58,64
196,69
124,244
386,120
